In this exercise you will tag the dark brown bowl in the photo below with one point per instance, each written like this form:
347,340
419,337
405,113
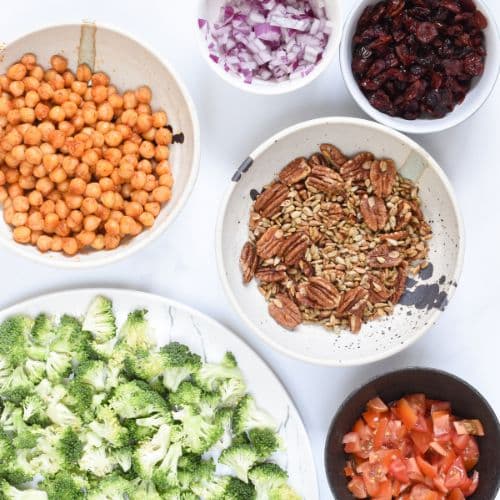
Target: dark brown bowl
465,400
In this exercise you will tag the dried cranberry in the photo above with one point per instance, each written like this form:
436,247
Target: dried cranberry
404,54
394,7
473,65
451,5
380,100
426,32
479,21
436,80
453,67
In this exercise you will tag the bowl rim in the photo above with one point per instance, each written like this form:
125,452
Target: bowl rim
418,126
277,88
361,122
108,257
395,373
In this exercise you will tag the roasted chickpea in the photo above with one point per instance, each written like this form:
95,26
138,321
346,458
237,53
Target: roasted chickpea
112,227
146,219
69,246
59,63
21,204
83,73
106,184
153,208
143,94
89,206
29,60
44,243
91,222
103,168
19,219
17,71
57,114
44,185
163,137
100,78
35,198
111,241
41,111
99,93
22,234
147,150
35,221
113,138
115,100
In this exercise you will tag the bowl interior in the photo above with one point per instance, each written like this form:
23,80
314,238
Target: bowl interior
466,403
209,10
426,296
129,65
479,92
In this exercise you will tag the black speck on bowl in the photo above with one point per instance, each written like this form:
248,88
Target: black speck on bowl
466,402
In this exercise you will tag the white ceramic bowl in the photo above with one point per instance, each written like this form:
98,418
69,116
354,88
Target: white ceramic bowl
479,92
129,64
431,291
209,9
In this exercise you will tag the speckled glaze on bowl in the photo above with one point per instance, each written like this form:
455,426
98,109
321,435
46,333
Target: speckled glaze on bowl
426,296
465,400
129,64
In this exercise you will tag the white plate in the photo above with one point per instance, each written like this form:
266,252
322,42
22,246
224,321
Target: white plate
172,321
427,294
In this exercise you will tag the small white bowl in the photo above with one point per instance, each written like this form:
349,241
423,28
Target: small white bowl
477,95
209,10
431,291
129,64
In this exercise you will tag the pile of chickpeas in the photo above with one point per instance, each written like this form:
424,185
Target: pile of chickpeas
81,165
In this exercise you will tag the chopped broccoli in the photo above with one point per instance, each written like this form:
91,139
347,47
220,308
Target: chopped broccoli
100,320
247,416
265,441
70,447
18,470
58,365
16,386
26,439
186,394
122,457
62,486
231,391
108,427
79,399
180,364
270,482
240,458
134,334
211,375
113,487
193,470
43,331
94,373
144,489
35,410
224,488
6,450
144,364
138,433
60,414
96,460
165,475
136,399
150,452
35,370
14,333
9,492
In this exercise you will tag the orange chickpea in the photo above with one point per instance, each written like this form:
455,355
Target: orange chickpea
67,128
30,84
17,71
50,161
166,180
8,214
147,149
129,100
75,219
3,194
116,101
91,157
21,204
98,243
144,122
44,185
27,115
151,183
91,222
57,114
5,105
105,111
63,229
56,245
32,136
77,186
44,243
138,180
35,198
83,172
37,72
68,78
79,88
143,94
102,212
27,182
22,234
93,190
74,201
89,206
104,127
69,246
103,168
58,175
140,196
83,73
61,209
69,108
41,111
29,60
149,135
99,93
113,138
163,137
133,209
47,207
160,119
59,63
100,78
115,177
162,167
126,170
162,153
113,155
19,219
153,208
35,221
106,184
16,88
57,138
85,238
31,98
129,117
14,117
108,199
61,96
111,241
146,219
34,236
112,227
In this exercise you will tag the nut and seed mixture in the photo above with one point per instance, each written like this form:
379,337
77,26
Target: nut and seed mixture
333,239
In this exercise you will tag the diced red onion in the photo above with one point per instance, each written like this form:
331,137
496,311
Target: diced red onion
268,39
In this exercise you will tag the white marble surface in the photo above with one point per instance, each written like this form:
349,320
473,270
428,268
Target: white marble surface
181,263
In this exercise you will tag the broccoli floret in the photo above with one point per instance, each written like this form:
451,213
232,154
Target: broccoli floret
72,340
14,333
247,416
143,489
192,470
105,350
186,394
138,433
79,399
34,410
265,441
43,331
70,447
270,482
61,415
50,393
239,490
134,334
150,452
27,438
211,375
100,320
93,373
10,418
9,492
122,457
136,399
62,486
108,427
68,327
58,366
224,488
209,403
180,364
16,386
95,459
155,420
35,370
6,450
240,458
113,487
165,475
231,391
18,470
144,364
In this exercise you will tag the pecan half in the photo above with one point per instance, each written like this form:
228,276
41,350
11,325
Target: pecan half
268,203
335,213
333,155
357,168
325,180
317,160
269,244
353,302
395,236
382,257
294,247
382,176
268,275
374,212
285,311
296,171
378,292
248,261
318,293
306,268
400,285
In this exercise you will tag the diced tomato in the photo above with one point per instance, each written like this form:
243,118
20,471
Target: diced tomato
371,418
373,476
434,405
456,494
348,470
352,442
357,487
359,426
406,414
422,440
441,423
377,405
421,424
436,447
439,484
472,427
460,442
456,475
398,470
421,492
417,402
379,438
470,454
472,484
427,469
385,491
414,473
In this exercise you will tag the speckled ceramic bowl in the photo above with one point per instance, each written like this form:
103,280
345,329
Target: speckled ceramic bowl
426,296
466,402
